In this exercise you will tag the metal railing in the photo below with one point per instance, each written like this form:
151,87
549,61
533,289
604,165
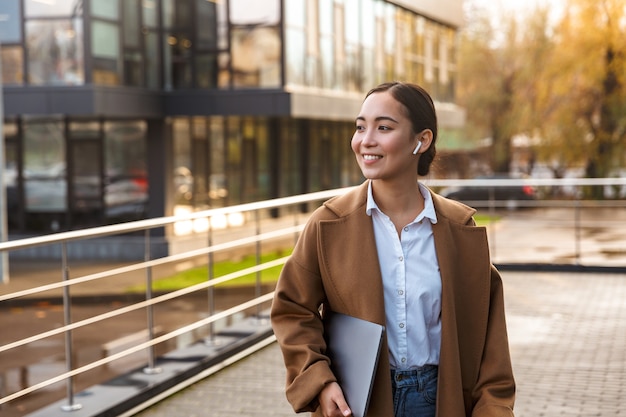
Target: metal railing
557,227
264,226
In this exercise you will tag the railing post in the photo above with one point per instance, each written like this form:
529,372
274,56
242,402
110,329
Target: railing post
577,230
211,340
257,287
67,318
151,368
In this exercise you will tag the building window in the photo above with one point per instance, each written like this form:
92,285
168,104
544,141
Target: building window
12,65
153,73
255,43
45,182
105,9
368,43
339,48
183,169
105,47
295,41
11,174
312,72
132,42
177,60
218,191
55,51
354,79
126,179
206,55
177,44
39,8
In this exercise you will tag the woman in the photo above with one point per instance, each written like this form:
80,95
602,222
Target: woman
393,252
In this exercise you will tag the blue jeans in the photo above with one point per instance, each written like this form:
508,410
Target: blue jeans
415,391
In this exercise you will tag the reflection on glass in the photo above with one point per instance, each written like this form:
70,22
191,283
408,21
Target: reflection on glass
133,70
85,181
218,187
295,42
176,13
152,60
47,8
105,39
206,24
206,70
176,60
126,179
246,12
183,176
256,57
55,51
12,64
84,130
45,183
223,63
105,9
149,9
132,28
10,173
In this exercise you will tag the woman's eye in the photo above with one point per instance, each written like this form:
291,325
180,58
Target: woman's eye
360,128
383,128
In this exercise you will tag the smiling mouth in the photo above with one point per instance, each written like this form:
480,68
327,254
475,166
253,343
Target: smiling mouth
371,157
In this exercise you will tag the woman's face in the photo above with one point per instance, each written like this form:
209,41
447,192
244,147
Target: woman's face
384,140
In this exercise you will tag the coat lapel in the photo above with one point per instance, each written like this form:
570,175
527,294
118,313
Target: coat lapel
349,259
464,263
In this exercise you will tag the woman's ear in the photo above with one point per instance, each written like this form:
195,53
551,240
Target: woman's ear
426,139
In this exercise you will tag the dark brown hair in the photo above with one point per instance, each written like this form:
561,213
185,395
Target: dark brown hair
421,111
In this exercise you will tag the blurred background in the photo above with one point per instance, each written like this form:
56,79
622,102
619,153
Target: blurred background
123,110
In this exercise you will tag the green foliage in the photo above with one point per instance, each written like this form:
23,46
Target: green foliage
198,275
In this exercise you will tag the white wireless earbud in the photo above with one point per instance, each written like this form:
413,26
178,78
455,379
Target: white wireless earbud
417,148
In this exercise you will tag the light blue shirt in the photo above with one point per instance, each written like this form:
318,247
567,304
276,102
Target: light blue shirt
412,285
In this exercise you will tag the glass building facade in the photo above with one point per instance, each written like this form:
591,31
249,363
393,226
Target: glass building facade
126,109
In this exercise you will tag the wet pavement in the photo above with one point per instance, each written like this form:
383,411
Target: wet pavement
560,236
567,334
566,329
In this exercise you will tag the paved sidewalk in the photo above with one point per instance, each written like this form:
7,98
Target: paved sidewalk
568,343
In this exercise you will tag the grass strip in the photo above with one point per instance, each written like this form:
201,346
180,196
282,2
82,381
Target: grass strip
200,274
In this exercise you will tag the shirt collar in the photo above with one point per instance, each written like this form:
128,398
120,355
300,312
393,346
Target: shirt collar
429,208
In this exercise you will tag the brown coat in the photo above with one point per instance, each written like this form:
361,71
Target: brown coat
335,266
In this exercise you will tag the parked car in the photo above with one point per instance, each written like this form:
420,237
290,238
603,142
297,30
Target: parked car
508,196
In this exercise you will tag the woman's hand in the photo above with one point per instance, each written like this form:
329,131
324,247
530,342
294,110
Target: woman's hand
332,401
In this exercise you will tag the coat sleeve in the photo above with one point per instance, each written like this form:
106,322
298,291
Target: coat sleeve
494,392
297,324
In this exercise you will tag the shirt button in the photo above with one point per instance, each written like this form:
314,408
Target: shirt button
400,258
403,360
400,292
406,229
402,325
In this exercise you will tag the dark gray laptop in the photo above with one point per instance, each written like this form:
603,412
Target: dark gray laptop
354,347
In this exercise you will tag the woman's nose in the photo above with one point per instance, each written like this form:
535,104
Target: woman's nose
367,138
